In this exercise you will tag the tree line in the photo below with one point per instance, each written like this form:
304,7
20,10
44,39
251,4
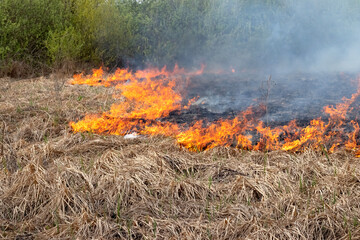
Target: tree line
40,35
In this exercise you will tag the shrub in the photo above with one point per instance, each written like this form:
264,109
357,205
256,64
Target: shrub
64,45
24,27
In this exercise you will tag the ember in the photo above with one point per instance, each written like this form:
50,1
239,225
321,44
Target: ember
149,99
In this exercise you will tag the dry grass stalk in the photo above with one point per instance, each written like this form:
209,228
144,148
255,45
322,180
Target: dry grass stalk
83,186
2,140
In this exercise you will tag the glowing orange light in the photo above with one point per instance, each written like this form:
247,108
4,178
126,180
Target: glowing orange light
147,95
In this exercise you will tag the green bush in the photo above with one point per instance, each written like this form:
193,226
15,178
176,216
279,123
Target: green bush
117,32
43,33
24,27
64,45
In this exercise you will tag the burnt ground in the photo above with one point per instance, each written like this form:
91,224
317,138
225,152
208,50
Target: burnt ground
55,184
287,97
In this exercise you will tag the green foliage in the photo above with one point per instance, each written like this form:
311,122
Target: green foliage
64,45
24,26
174,30
42,32
117,32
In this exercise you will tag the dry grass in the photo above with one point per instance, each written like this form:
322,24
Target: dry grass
59,185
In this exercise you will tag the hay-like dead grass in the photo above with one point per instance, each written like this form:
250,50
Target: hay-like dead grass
58,185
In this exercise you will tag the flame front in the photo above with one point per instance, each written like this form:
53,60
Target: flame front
144,96
148,95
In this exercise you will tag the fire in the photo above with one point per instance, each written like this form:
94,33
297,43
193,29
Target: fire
146,96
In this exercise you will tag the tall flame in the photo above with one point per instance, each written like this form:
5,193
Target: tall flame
146,96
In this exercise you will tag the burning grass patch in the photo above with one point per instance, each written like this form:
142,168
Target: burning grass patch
56,184
146,99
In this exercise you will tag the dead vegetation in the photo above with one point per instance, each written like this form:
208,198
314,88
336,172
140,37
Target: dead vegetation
58,185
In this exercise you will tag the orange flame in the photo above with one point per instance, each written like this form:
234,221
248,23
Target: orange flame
147,95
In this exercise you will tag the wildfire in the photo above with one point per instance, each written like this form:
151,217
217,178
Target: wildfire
146,96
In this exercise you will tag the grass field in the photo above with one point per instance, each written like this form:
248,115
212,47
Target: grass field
58,185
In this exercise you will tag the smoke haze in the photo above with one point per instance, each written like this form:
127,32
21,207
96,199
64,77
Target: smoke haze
304,45
287,35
